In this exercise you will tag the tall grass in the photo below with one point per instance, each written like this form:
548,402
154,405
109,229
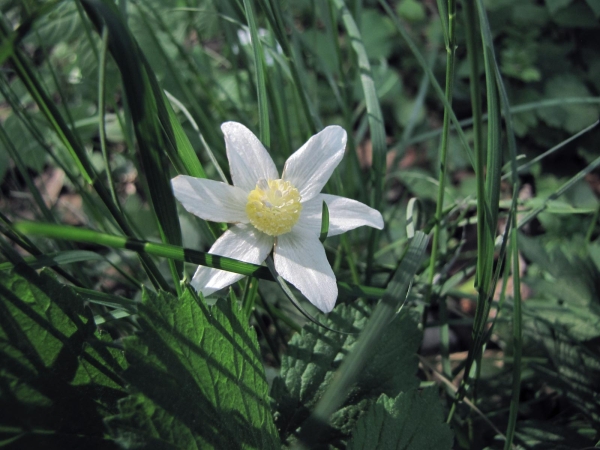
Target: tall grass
169,75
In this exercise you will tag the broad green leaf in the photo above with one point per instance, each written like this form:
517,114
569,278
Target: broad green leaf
376,31
576,15
313,356
31,152
58,380
197,377
555,5
595,6
570,117
411,421
411,11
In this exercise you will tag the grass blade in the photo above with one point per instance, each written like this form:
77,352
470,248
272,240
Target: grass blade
374,115
77,152
155,137
375,120
517,341
173,252
56,259
324,223
436,86
259,70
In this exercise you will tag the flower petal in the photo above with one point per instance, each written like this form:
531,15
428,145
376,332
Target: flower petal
243,242
249,161
211,200
300,259
309,168
344,215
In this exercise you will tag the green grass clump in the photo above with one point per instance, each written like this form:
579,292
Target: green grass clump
470,321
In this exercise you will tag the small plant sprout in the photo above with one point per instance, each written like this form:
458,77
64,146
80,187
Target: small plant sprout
273,213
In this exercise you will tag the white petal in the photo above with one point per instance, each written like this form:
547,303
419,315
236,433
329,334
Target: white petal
344,215
211,200
249,161
241,242
309,168
300,259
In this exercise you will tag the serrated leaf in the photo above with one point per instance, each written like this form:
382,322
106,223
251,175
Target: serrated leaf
57,378
314,355
411,421
198,376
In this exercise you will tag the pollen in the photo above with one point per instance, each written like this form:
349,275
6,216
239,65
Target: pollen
274,206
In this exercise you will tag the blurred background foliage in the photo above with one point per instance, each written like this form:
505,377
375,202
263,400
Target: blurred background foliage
201,54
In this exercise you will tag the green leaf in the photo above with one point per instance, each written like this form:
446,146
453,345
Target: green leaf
259,69
555,5
58,380
375,116
31,152
570,117
171,251
324,222
595,6
411,11
315,354
198,379
56,259
576,15
413,420
376,31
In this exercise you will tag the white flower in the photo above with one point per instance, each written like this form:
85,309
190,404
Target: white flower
272,213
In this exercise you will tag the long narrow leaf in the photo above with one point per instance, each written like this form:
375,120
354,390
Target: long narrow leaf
172,252
155,138
259,70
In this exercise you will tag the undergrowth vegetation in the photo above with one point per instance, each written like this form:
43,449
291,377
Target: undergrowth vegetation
470,321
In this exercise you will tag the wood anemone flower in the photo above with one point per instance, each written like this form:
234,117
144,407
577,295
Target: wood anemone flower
273,213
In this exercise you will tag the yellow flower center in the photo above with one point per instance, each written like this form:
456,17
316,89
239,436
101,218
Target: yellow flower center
274,206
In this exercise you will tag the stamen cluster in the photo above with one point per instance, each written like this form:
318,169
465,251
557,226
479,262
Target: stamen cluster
274,206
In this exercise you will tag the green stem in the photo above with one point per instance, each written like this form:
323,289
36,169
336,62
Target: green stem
102,115
473,57
174,252
590,231
450,53
517,342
